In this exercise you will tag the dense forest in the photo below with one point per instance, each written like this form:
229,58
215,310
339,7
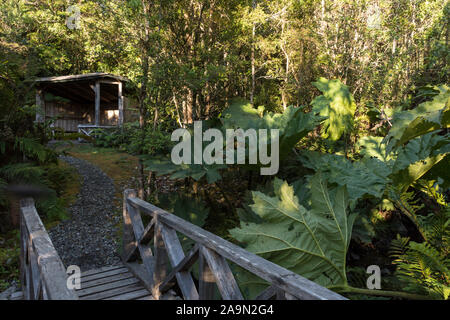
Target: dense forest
358,91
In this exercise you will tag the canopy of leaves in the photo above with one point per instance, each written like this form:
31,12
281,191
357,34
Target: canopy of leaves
337,104
312,243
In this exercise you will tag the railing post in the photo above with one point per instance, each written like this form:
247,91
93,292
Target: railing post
24,249
206,279
43,274
128,234
160,272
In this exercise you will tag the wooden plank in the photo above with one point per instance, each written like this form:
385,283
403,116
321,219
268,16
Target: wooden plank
105,280
184,265
16,296
176,256
207,283
131,295
51,269
106,287
148,233
160,270
284,279
35,283
149,297
129,245
167,296
141,273
23,250
120,103
112,292
40,112
138,228
101,270
281,294
267,293
97,103
224,277
104,274
80,77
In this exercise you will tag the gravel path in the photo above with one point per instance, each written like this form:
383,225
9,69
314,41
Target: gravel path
86,239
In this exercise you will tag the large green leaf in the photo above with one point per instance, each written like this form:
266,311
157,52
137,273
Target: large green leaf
427,117
410,162
337,104
374,147
363,177
418,157
163,166
293,124
312,243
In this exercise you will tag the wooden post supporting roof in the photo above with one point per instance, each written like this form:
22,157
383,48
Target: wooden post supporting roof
97,103
120,103
40,113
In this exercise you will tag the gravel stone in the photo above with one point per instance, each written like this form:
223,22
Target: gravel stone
87,238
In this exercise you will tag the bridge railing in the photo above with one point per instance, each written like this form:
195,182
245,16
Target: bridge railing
211,251
42,273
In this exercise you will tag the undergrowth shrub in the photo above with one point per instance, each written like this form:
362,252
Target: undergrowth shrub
132,139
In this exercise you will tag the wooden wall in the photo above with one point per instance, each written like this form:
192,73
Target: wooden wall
70,115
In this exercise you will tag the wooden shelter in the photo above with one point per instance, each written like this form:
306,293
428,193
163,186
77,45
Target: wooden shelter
82,102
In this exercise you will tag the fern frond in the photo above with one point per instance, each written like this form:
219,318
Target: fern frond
31,148
436,228
22,172
431,189
422,267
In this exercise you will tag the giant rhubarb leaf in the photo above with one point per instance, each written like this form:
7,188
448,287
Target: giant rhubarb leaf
293,124
312,243
427,117
337,104
363,177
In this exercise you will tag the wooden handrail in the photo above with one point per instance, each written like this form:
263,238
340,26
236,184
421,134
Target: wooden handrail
43,276
212,253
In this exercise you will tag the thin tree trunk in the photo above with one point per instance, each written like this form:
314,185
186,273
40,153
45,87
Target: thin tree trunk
252,92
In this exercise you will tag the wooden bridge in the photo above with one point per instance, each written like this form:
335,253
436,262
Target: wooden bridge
155,265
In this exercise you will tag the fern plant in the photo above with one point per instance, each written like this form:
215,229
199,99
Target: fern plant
422,267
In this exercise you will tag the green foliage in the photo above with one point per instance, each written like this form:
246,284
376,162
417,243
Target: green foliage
418,157
431,189
9,258
163,166
429,116
312,243
422,267
188,208
22,172
132,139
337,104
367,177
293,124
